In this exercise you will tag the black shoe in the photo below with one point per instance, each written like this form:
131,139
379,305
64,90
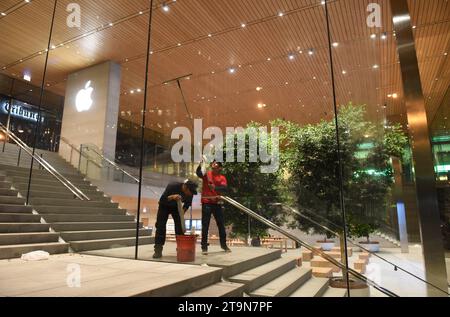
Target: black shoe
226,249
205,251
158,253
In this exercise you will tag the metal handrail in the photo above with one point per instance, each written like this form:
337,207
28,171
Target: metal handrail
316,251
74,148
47,166
114,164
396,267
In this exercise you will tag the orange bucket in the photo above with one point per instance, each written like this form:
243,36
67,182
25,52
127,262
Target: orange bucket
186,248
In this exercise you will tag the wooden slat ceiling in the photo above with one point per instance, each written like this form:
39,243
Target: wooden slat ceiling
298,89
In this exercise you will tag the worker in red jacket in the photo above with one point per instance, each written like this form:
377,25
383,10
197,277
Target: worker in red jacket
214,184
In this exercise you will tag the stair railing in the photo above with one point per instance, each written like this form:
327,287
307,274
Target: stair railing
44,164
307,246
103,158
80,154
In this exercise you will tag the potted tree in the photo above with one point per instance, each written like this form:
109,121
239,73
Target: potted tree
363,230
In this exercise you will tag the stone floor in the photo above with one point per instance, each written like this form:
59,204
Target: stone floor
99,277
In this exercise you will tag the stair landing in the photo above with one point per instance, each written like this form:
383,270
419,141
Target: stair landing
102,277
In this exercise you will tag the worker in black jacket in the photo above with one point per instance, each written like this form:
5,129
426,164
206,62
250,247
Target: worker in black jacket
168,205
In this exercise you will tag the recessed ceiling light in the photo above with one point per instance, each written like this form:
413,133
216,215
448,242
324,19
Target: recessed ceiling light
165,8
27,77
373,36
179,44
269,59
3,13
291,57
243,25
280,14
259,88
209,35
335,44
384,36
232,70
311,52
375,66
344,72
394,95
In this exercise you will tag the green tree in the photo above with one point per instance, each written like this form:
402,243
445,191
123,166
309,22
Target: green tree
310,158
252,188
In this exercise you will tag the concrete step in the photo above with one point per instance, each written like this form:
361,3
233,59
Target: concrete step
103,234
51,218
11,200
28,238
94,196
71,172
5,185
335,292
47,181
239,267
221,289
57,187
23,227
314,287
88,245
90,226
8,192
71,202
16,251
25,172
263,274
4,208
81,210
284,285
10,217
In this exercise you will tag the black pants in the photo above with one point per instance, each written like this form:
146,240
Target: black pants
217,211
161,222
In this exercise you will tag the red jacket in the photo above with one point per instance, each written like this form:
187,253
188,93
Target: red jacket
212,184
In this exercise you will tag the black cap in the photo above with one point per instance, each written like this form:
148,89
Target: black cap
192,186
217,162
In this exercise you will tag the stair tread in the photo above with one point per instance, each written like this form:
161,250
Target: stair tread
312,288
274,287
112,239
260,270
32,245
335,292
112,230
27,233
221,289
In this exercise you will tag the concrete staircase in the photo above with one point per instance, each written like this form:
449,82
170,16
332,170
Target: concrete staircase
54,213
21,230
269,276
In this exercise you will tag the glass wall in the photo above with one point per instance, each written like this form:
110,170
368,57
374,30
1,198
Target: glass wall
302,101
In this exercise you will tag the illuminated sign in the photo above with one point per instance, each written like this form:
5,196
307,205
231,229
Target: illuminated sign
20,111
83,99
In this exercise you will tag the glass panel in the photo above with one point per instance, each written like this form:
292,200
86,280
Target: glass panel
96,66
378,178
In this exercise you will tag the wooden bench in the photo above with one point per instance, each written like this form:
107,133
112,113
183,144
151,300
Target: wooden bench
307,255
334,255
338,249
324,272
318,261
360,266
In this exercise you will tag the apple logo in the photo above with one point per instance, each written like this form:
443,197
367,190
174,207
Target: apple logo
83,100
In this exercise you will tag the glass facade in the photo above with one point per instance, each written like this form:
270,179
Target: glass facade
304,102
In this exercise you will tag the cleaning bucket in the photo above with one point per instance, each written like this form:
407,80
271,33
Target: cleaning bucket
186,248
